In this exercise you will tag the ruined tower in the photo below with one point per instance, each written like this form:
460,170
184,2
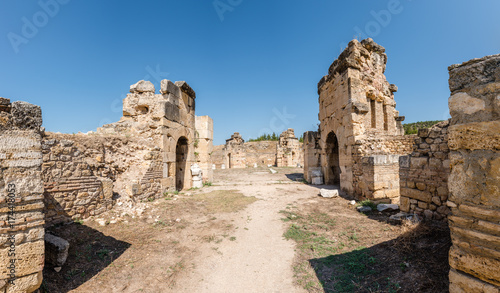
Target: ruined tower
359,124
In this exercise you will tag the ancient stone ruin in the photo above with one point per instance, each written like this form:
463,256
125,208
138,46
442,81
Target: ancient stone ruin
53,178
289,150
21,200
236,153
360,137
449,172
474,181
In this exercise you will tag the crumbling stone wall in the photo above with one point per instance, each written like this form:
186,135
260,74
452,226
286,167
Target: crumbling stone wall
289,152
359,123
312,154
21,197
237,153
474,181
376,166
168,121
424,174
82,172
204,146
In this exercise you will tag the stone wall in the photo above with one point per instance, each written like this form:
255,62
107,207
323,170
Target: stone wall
237,153
474,181
312,155
289,152
21,197
424,174
376,167
204,146
82,172
361,134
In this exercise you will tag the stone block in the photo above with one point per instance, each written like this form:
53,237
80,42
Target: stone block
56,250
30,260
142,87
416,194
481,267
168,87
26,115
329,193
25,284
463,283
418,163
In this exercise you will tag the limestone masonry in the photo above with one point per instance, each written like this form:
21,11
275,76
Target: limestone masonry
236,153
449,172
474,181
21,197
360,137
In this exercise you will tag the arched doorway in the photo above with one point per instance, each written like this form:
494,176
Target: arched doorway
181,152
332,159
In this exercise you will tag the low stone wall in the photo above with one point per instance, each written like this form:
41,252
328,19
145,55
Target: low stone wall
245,155
81,173
376,167
21,197
424,174
474,181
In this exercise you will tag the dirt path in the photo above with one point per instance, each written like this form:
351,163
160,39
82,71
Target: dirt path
259,259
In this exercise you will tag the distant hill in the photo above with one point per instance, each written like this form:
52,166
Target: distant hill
412,128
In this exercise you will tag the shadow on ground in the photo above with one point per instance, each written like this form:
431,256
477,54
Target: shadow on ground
417,261
90,252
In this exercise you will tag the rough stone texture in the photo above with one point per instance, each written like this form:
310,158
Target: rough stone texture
329,193
21,219
312,155
56,250
82,172
360,131
237,153
203,146
424,174
289,151
474,181
167,123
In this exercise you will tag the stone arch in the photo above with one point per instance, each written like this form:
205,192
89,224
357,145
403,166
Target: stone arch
332,175
181,155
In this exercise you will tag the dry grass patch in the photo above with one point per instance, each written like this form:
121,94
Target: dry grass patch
341,250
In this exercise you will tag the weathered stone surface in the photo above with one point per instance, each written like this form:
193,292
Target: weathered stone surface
329,193
56,250
142,87
364,209
462,283
26,115
289,152
168,87
475,177
387,207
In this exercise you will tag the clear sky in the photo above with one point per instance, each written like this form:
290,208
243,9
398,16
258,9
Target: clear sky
254,64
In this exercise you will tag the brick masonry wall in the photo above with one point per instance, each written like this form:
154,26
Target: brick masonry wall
82,174
21,197
424,174
474,181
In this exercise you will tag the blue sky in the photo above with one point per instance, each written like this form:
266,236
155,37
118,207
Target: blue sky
254,64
